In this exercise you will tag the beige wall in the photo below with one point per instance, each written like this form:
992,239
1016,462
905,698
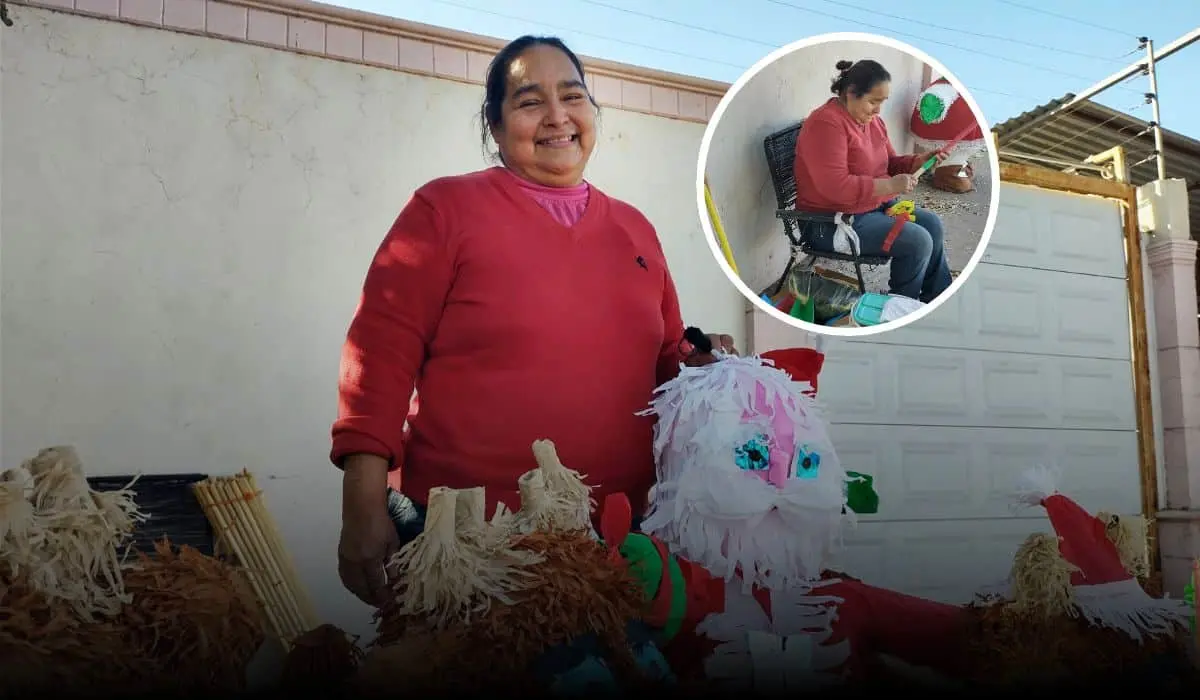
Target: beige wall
187,222
782,94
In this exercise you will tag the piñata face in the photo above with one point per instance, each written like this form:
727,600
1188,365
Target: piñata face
748,480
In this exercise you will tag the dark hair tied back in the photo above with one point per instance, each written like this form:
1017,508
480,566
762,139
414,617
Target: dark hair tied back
858,78
491,112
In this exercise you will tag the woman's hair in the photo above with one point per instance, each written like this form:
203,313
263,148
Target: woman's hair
859,77
491,112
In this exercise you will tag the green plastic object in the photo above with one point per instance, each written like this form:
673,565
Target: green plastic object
805,310
931,108
860,493
868,311
1189,596
645,564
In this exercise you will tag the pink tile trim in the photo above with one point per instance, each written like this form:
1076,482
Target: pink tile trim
109,8
184,14
345,35
381,49
226,21
306,35
344,42
267,28
149,11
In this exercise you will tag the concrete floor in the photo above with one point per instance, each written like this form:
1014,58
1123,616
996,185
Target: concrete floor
963,217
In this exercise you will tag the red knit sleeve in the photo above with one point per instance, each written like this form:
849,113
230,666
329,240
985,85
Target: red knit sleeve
823,150
669,356
896,163
401,303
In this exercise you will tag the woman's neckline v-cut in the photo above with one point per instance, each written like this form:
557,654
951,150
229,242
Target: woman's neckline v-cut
523,193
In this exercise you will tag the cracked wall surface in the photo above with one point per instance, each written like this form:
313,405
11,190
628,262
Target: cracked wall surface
186,225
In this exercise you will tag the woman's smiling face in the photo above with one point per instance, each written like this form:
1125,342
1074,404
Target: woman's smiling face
548,124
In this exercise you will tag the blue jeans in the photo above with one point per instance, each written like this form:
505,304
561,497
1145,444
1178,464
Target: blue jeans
918,268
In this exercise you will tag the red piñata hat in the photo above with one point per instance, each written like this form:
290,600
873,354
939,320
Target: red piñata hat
801,364
1103,591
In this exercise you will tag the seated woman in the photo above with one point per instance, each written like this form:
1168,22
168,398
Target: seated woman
845,163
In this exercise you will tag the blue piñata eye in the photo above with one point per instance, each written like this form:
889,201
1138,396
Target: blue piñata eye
754,455
808,463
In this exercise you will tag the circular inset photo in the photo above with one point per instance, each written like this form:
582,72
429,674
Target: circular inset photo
848,184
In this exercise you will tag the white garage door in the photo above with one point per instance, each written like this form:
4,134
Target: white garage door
1029,363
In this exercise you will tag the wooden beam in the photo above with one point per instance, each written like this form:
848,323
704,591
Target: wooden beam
1116,156
1136,286
1064,182
1147,460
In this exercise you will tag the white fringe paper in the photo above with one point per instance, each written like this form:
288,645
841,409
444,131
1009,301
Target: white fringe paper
1036,485
705,509
1125,606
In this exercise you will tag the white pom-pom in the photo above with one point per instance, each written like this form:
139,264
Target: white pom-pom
1036,485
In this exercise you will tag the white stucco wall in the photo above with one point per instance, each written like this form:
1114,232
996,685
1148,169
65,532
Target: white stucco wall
186,226
781,94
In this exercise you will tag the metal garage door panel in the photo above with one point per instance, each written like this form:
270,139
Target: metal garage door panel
964,473
1025,311
899,385
946,561
1057,231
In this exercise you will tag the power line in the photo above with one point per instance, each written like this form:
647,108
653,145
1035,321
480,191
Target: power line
715,32
660,49
1068,18
561,28
1074,137
890,30
996,37
677,23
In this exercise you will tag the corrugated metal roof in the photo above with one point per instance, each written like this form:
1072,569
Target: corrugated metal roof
1089,128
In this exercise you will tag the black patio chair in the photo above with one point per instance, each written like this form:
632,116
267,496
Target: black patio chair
780,148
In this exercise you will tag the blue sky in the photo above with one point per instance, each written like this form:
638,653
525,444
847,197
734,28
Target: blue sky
1012,54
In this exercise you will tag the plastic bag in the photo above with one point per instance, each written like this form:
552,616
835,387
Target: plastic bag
830,298
845,238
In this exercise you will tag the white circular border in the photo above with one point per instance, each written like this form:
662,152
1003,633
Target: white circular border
710,236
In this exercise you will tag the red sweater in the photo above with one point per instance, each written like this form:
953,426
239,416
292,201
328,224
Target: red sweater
838,161
512,328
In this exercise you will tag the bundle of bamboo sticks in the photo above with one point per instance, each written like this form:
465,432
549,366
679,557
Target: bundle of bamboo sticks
234,505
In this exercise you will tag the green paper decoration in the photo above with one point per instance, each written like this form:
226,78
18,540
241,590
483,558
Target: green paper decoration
931,107
1189,597
645,563
860,494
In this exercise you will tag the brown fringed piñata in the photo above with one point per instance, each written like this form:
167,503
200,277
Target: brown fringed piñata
478,601
1077,607
76,616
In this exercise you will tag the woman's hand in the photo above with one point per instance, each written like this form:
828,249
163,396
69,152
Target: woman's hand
719,341
920,158
903,183
369,537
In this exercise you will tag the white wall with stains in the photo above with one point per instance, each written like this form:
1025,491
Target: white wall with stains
187,222
781,94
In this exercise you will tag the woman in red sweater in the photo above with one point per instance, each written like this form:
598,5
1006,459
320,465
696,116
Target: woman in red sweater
520,302
845,163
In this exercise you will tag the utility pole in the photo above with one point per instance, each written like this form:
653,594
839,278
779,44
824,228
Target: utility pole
1171,48
1152,96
